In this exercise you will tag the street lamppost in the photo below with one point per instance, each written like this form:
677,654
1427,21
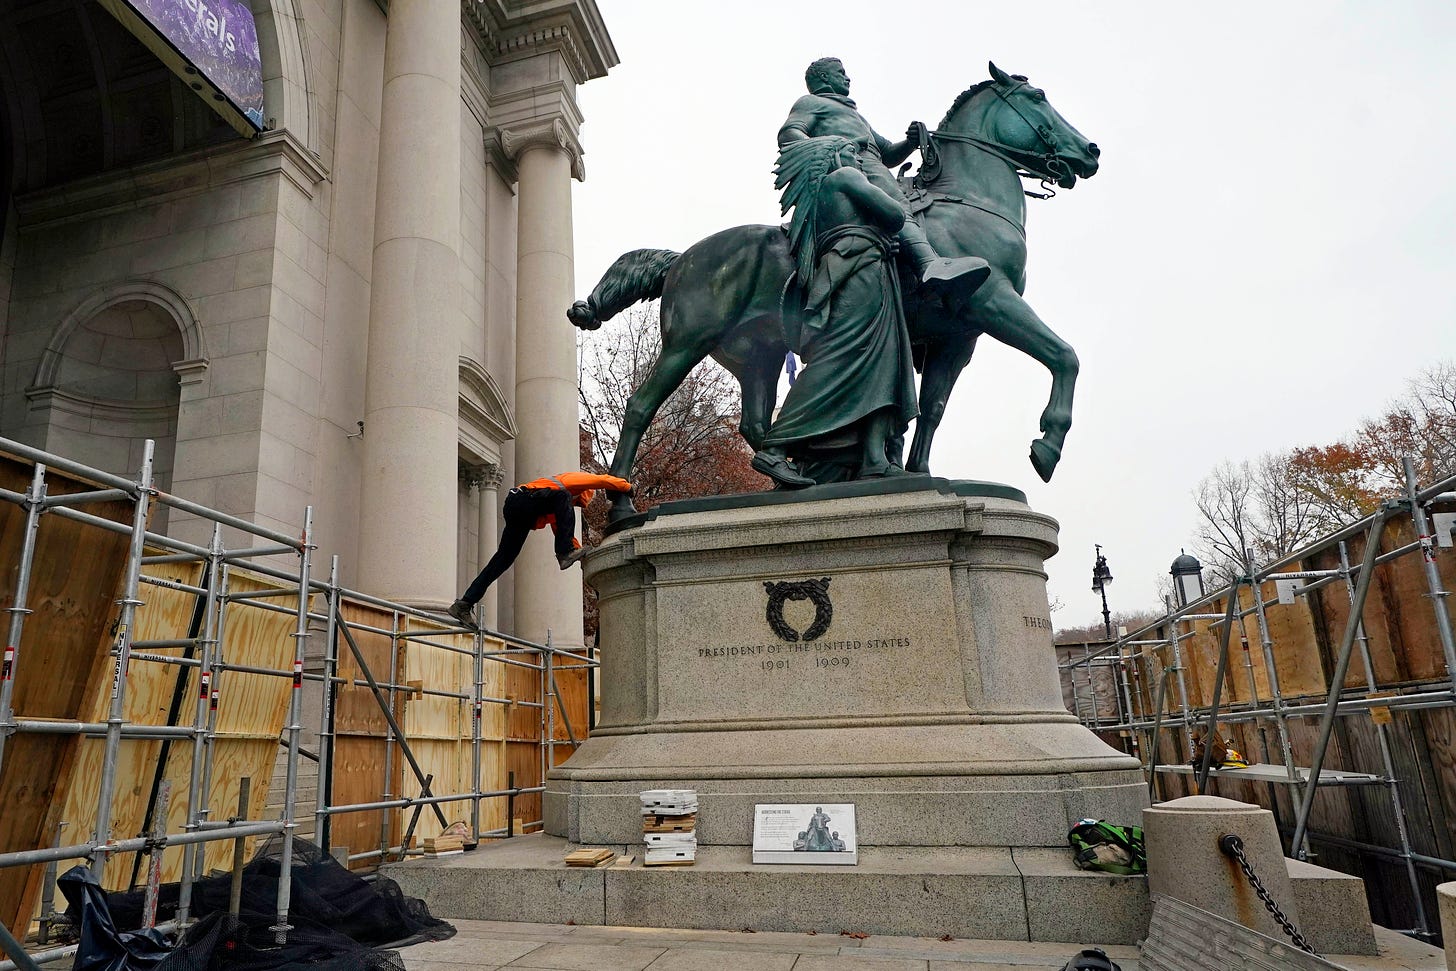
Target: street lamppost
1187,578
1101,577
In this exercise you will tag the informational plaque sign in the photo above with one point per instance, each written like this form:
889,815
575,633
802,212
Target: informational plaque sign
804,833
212,45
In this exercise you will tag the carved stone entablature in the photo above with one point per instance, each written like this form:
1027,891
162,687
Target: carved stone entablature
550,132
486,422
572,28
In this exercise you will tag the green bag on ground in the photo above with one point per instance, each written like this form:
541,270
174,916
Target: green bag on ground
1100,845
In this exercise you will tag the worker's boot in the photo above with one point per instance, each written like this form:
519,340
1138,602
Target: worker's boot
463,611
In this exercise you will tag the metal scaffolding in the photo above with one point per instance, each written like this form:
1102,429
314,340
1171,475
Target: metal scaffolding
260,553
1171,707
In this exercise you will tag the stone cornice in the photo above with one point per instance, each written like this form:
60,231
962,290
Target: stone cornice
510,30
271,153
549,132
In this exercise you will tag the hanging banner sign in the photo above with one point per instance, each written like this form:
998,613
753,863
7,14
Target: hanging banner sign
212,45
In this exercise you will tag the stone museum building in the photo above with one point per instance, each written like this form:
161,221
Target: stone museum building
358,305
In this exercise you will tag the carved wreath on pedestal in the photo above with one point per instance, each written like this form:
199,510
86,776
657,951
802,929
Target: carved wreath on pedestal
816,591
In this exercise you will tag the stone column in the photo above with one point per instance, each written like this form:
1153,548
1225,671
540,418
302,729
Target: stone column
1446,898
408,502
489,535
546,157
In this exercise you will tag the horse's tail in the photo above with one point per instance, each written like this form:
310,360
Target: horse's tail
635,276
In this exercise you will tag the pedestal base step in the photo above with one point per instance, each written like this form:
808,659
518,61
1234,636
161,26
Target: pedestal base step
989,893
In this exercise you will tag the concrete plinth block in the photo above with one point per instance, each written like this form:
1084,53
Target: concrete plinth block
1064,903
517,879
1185,862
1446,896
1334,913
971,893
965,892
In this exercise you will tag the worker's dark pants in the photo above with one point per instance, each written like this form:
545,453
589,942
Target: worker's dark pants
522,509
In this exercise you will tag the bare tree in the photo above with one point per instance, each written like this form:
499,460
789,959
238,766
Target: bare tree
692,447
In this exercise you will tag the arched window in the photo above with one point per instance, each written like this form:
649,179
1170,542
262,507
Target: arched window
112,377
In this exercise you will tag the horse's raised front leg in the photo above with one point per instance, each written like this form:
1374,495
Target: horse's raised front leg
666,373
944,361
1004,315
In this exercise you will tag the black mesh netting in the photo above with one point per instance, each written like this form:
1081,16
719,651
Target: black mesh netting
340,922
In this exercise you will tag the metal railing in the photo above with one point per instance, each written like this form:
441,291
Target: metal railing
216,603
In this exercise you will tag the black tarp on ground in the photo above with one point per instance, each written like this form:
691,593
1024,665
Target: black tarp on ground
339,921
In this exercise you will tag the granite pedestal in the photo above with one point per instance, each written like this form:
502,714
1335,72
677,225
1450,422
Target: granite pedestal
886,644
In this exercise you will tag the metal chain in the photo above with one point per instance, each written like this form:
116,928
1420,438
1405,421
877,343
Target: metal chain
1234,846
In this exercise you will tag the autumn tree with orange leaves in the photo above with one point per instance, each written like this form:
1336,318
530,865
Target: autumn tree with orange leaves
1283,500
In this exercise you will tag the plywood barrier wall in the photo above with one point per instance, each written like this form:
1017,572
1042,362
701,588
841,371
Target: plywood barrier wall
438,729
74,585
252,710
365,768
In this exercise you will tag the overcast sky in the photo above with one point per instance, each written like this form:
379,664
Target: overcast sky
1264,259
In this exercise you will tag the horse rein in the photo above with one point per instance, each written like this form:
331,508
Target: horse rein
1054,169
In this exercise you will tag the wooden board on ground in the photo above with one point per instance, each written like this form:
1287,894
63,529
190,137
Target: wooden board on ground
590,857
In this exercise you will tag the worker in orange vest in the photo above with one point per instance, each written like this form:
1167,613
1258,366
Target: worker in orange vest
552,501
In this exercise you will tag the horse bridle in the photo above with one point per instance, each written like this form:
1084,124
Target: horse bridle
1053,168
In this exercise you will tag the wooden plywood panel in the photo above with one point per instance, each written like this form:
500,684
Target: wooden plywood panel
524,759
1382,629
571,684
255,704
523,685
74,581
1408,600
359,778
439,728
151,693
1296,645
362,735
443,759
493,675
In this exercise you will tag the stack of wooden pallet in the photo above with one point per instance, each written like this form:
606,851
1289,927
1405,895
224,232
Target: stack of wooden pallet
669,823
590,858
444,845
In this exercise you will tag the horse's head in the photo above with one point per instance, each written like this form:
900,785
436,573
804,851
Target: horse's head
1012,116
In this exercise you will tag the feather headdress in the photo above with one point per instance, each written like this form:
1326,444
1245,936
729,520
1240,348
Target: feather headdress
800,171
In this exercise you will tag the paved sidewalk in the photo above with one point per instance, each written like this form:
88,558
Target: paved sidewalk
488,945
485,944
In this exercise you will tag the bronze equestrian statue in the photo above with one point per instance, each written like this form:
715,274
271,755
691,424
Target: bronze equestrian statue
723,295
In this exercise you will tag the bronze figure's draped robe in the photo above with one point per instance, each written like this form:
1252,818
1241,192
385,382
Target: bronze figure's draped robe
853,340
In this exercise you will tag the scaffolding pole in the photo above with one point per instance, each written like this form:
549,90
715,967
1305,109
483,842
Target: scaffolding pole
293,727
121,654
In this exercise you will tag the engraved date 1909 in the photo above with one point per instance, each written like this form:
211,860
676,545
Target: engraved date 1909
781,664
1039,622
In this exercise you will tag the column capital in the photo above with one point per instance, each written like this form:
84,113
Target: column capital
481,475
551,132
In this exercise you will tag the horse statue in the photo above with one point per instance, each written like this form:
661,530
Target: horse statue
722,296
